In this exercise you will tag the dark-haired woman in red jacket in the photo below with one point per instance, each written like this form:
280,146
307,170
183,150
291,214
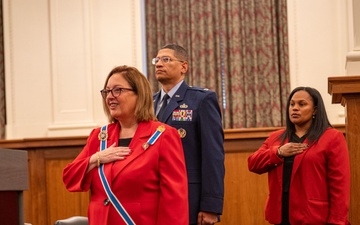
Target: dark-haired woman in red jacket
307,165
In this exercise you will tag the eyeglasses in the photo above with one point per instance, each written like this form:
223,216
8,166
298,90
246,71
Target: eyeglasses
115,91
164,59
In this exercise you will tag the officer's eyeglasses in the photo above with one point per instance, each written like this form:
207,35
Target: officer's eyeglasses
115,91
164,59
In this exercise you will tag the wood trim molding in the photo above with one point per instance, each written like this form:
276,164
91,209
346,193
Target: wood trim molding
246,139
30,143
340,86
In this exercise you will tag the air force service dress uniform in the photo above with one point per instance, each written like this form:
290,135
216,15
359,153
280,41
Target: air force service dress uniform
195,113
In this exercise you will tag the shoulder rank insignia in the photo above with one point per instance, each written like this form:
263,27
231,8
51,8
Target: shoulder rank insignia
103,135
154,137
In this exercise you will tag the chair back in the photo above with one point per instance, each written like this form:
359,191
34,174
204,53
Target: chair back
74,220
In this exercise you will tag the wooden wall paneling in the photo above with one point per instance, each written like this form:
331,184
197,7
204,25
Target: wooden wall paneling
62,203
353,140
35,204
346,90
245,192
47,199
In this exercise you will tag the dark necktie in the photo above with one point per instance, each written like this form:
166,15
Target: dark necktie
164,104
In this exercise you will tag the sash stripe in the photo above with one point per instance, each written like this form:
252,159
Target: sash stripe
154,137
116,203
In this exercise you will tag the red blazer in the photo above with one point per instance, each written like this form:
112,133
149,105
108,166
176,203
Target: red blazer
151,184
320,180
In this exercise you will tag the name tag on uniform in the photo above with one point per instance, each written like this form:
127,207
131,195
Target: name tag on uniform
182,115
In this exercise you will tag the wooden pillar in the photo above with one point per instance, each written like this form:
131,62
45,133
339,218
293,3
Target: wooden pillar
346,90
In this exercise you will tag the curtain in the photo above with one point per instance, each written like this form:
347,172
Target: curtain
2,78
237,48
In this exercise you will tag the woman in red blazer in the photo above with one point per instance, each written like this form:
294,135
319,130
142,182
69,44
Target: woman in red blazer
138,176
307,165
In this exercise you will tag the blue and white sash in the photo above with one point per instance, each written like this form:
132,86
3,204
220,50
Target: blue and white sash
116,203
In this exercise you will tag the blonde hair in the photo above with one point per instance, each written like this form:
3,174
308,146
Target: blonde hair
144,109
